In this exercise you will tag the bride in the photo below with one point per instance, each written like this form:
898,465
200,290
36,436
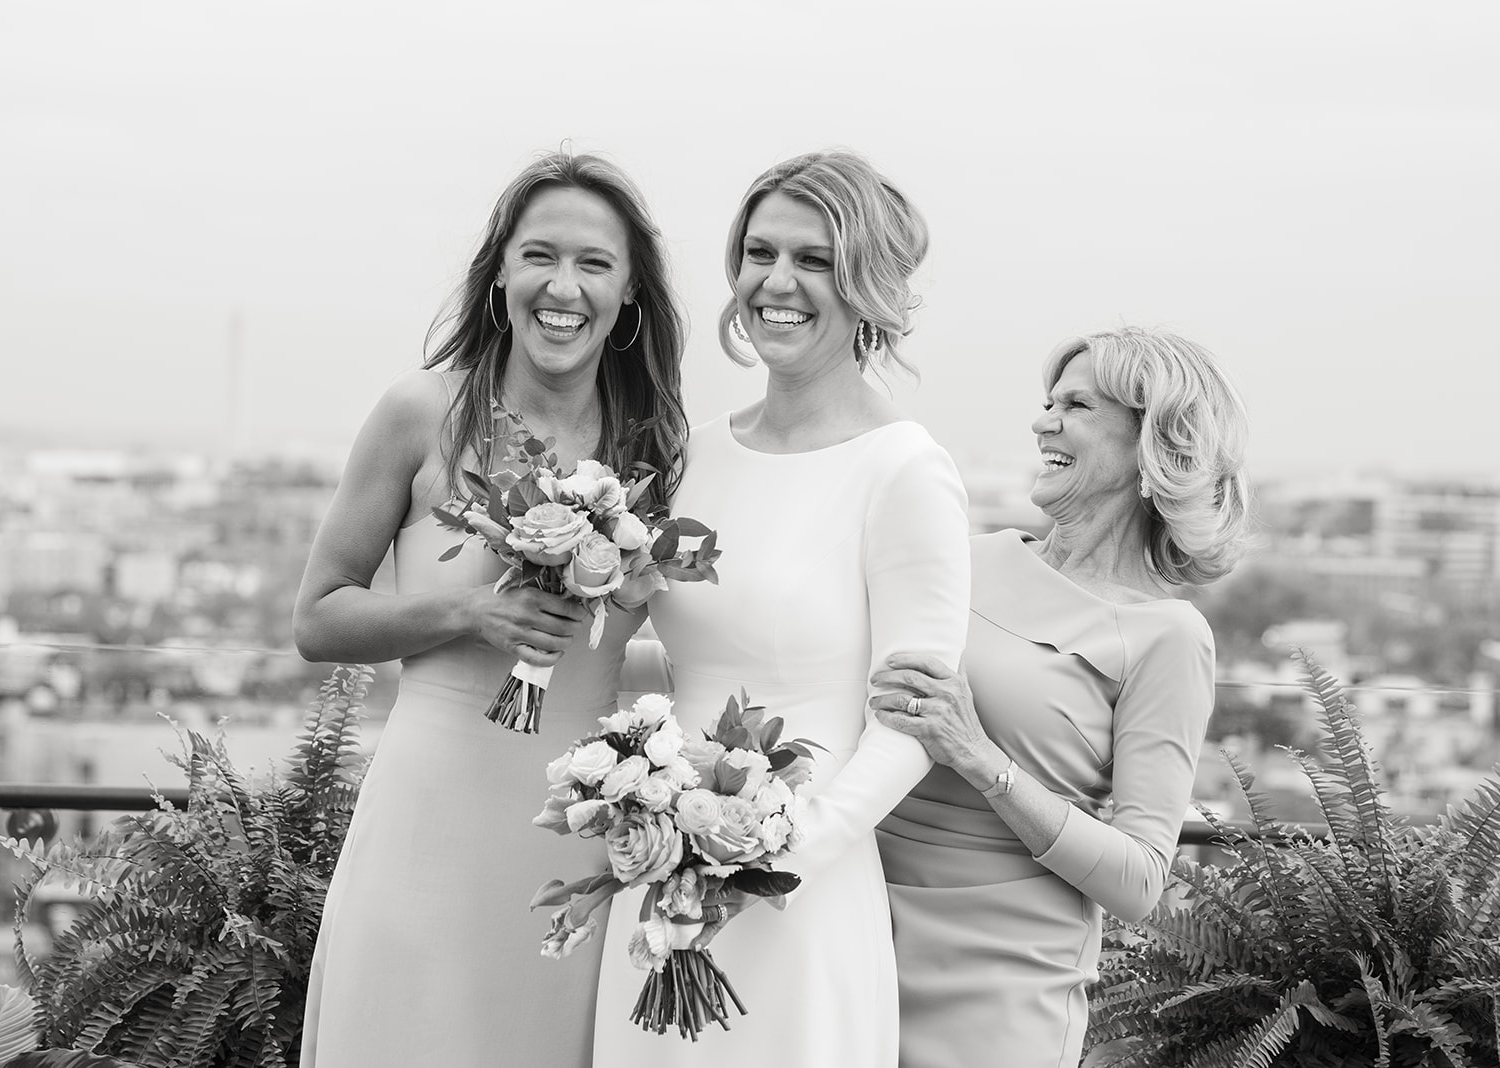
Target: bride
845,539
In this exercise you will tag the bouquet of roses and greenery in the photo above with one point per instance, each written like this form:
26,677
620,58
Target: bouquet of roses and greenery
589,534
687,818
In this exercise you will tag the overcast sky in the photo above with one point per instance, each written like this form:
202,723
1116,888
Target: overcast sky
1312,190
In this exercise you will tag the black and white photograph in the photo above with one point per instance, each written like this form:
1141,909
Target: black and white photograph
680,535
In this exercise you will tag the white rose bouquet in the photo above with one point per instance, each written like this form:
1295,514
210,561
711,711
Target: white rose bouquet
687,818
588,534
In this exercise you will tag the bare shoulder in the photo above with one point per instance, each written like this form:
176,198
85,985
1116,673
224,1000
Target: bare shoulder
416,403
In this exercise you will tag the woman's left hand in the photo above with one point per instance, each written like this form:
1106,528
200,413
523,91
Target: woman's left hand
732,902
942,717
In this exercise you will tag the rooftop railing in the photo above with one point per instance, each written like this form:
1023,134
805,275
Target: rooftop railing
16,797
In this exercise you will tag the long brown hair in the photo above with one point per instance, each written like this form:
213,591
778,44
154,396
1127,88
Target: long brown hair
640,387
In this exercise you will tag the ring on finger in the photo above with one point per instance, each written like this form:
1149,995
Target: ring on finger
715,914
914,706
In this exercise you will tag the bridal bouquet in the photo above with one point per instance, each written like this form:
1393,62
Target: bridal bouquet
588,534
687,818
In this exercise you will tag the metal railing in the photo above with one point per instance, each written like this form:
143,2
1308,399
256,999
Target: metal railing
81,798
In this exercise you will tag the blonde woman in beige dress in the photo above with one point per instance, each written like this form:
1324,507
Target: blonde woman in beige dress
1086,682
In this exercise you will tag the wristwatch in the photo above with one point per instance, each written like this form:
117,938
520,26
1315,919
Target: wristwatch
1003,783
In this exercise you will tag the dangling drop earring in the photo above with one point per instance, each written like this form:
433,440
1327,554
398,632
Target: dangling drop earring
489,300
739,328
1145,489
868,346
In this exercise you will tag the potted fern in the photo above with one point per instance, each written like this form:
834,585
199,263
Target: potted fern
1377,946
196,946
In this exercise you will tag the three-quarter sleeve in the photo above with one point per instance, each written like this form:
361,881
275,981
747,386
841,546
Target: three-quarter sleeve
1160,720
917,579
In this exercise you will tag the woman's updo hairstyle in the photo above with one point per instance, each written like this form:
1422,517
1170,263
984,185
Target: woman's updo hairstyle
879,240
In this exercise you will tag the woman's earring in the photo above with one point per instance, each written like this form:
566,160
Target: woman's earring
609,338
868,345
739,328
1145,489
490,300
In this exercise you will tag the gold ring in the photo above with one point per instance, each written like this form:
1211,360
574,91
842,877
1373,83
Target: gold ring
913,706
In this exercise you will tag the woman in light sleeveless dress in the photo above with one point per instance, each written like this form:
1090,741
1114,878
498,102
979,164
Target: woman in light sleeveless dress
428,953
1087,681
844,534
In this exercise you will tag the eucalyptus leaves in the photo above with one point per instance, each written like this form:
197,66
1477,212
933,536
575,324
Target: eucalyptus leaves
589,534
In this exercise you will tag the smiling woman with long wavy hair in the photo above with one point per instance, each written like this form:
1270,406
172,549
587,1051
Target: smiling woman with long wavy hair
428,954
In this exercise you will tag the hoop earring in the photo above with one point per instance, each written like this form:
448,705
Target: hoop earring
489,300
609,338
872,345
739,329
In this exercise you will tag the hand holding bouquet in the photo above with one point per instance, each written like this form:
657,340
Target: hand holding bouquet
589,534
690,819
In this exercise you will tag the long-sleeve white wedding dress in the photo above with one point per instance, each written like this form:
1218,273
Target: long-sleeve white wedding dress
832,560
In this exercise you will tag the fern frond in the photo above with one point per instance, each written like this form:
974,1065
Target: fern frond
1475,828
1355,762
1437,1028
197,942
1230,984
1261,1046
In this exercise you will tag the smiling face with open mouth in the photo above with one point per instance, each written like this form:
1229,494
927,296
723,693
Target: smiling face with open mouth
1088,443
789,302
566,274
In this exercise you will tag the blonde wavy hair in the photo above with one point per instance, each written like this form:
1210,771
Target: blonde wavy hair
1191,452
879,241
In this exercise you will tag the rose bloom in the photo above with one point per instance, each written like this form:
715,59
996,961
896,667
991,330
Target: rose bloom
796,814
548,533
630,531
624,778
579,487
594,569
592,485
592,815
737,838
590,763
621,722
680,773
557,770
755,766
775,831
664,743
656,793
682,895
698,811
796,773
652,708
772,797
703,755
643,847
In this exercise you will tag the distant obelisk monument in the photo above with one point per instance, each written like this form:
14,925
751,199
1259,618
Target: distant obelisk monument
236,430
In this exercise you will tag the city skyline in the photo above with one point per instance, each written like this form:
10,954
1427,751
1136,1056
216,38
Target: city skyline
1306,191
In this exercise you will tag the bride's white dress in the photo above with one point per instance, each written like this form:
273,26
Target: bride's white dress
833,559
